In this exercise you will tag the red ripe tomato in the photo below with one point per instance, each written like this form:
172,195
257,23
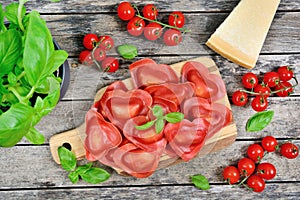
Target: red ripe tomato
231,174
246,166
271,79
99,54
125,11
150,11
256,183
90,41
249,80
285,88
289,150
136,26
153,31
262,90
106,42
259,103
176,19
269,143
85,57
255,152
266,171
172,37
239,98
285,73
110,64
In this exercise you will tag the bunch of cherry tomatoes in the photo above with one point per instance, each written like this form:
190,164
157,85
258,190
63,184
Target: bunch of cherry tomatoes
252,170
95,52
273,83
153,29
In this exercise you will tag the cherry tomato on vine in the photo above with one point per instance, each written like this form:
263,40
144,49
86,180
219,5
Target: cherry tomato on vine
269,143
176,19
90,41
255,152
289,150
150,11
153,31
285,73
231,174
239,98
256,183
99,54
259,103
285,87
246,166
136,26
266,171
172,37
106,42
125,11
262,90
110,64
249,80
271,79
85,57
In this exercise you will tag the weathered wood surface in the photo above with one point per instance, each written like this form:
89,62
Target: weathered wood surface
28,171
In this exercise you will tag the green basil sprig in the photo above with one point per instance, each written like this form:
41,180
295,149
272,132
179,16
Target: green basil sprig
87,172
200,182
172,117
127,51
259,121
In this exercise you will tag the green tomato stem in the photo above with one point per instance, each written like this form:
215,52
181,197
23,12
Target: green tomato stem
94,59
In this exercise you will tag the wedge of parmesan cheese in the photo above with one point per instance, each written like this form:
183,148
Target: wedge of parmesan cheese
241,36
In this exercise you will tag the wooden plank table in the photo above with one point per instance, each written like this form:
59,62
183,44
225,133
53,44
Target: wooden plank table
29,172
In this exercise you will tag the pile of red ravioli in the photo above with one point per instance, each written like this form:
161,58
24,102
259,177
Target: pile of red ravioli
111,136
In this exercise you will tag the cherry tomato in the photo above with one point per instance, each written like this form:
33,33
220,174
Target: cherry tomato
125,11
266,171
136,26
255,152
85,57
153,31
263,90
231,174
289,150
286,88
110,64
285,73
106,42
99,54
176,19
150,11
271,79
249,80
90,41
246,166
172,37
239,98
256,183
259,103
269,143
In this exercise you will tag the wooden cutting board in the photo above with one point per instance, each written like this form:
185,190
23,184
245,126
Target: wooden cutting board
74,138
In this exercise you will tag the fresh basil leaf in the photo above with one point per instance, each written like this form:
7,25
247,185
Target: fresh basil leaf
200,182
157,111
174,117
35,137
12,79
259,121
95,175
159,125
43,87
74,177
12,13
2,14
15,123
67,159
127,51
83,168
10,48
145,126
58,57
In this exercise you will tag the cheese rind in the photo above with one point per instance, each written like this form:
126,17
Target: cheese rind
241,36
